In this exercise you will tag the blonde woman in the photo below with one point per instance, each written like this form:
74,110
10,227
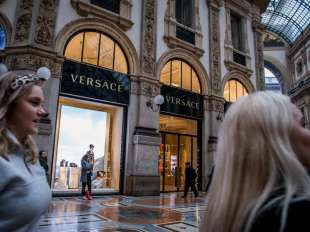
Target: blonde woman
24,191
260,181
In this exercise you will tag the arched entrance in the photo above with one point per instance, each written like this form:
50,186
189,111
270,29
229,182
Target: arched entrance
92,109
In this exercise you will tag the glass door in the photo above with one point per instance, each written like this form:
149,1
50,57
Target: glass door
171,162
179,145
175,151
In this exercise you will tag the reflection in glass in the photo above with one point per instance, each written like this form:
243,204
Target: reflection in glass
176,73
74,48
106,52
178,125
91,48
161,163
165,74
239,90
182,75
171,161
179,145
73,142
96,46
184,156
195,83
226,92
195,152
233,90
120,63
186,76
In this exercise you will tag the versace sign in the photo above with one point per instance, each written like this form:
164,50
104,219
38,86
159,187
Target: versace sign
180,102
94,83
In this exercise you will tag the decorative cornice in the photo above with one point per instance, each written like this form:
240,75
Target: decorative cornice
214,103
215,3
31,58
84,9
174,42
231,66
301,88
141,85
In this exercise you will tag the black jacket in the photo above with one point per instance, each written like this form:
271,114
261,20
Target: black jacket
190,175
298,218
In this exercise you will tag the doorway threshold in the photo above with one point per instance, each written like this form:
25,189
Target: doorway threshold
71,193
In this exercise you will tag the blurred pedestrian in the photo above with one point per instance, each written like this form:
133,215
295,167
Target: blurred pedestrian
190,179
44,162
24,192
260,181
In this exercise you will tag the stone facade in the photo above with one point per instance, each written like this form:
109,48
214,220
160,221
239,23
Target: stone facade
300,88
43,28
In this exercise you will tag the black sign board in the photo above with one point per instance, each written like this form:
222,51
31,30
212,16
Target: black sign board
94,83
180,102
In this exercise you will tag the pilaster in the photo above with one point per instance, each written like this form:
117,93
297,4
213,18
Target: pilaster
142,177
259,53
215,53
214,113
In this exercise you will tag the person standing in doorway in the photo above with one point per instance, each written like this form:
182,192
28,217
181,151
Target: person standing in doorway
87,164
43,162
190,179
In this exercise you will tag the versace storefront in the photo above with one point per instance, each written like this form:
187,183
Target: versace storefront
92,109
180,125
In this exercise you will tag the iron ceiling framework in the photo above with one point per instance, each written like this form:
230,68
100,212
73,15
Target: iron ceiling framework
287,18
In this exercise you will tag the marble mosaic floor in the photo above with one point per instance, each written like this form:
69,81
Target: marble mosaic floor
164,213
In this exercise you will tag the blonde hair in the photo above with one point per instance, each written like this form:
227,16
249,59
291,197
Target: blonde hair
254,162
8,98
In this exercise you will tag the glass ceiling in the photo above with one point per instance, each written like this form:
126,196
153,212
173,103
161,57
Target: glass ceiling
287,18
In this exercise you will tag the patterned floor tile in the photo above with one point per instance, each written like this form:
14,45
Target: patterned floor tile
165,213
190,209
47,221
180,227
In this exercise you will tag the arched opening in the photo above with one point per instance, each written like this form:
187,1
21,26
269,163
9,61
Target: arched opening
98,49
274,80
180,74
180,124
271,81
92,109
233,90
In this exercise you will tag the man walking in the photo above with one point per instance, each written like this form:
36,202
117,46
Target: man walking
190,179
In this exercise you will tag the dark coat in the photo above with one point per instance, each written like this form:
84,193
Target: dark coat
190,175
87,167
297,218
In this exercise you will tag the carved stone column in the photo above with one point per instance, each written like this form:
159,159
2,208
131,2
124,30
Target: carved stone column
142,172
259,53
214,39
214,103
214,113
